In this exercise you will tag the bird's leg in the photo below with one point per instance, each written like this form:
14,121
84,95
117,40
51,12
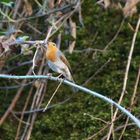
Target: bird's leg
49,74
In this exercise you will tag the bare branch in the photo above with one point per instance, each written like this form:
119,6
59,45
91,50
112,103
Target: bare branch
126,75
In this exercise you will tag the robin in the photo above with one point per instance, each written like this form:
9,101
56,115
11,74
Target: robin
58,62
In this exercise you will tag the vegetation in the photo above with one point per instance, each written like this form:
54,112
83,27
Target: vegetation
97,45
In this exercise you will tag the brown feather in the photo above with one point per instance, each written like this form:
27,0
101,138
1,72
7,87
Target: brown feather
65,61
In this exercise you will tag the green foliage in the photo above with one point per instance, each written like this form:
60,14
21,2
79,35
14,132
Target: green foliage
69,121
7,131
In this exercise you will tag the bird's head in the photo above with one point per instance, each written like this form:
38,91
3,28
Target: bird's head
51,45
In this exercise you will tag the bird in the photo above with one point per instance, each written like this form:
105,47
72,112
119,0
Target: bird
57,62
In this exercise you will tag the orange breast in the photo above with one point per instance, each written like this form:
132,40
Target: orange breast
51,53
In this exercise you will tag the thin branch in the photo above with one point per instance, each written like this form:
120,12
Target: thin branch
98,71
99,119
26,42
4,15
16,86
132,102
40,110
48,35
101,130
52,96
19,65
62,9
34,59
116,35
19,119
126,75
88,91
118,129
14,101
22,113
36,102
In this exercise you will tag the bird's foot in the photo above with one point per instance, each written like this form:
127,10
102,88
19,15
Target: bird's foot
49,74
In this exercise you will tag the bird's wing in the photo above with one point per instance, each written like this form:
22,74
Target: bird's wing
64,59
54,67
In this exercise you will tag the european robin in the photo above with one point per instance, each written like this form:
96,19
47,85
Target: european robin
58,62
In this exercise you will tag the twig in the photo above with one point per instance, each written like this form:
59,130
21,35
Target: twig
17,6
65,19
34,29
13,103
132,101
52,96
27,42
48,35
101,130
17,86
22,113
21,121
42,15
34,59
50,30
59,39
10,20
40,110
42,42
37,100
88,91
99,119
126,75
38,3
98,71
116,35
88,50
113,134
80,15
19,65
119,128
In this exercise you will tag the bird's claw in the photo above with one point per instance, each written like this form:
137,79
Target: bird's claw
49,74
